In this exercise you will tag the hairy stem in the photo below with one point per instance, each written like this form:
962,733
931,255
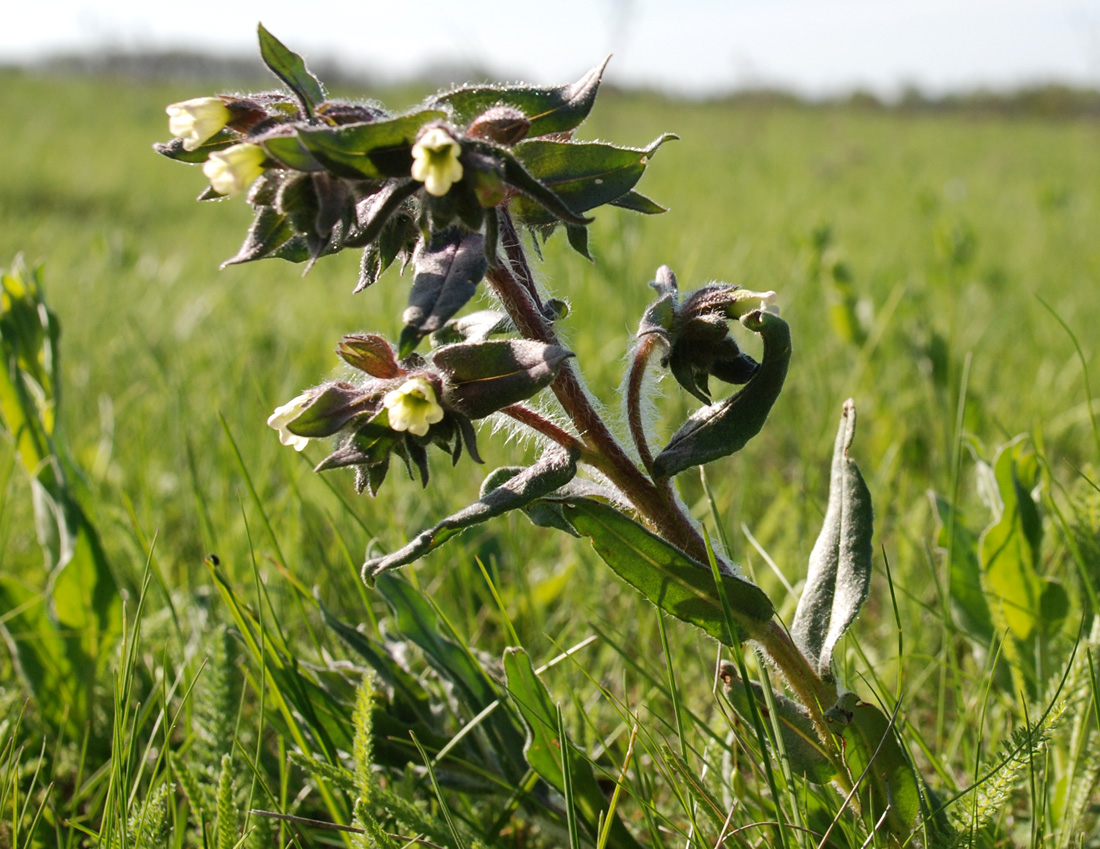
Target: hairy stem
540,424
515,286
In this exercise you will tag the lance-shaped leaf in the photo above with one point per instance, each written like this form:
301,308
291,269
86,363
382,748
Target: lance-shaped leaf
840,563
583,176
270,231
800,741
375,150
291,69
637,202
668,577
483,377
724,428
174,149
546,751
969,605
555,468
550,110
448,270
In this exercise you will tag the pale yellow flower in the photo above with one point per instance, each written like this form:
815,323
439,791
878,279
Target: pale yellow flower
435,161
284,415
413,407
746,300
196,120
233,170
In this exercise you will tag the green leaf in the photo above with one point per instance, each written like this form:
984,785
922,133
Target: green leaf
550,110
840,564
583,175
638,203
725,427
545,750
377,150
969,607
1008,551
270,231
871,748
79,612
291,69
549,206
291,152
554,469
666,576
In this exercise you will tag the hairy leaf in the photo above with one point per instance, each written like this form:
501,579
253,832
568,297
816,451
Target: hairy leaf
448,270
376,150
666,576
555,468
550,110
840,563
584,176
291,69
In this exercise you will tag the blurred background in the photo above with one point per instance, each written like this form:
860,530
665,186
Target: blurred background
693,47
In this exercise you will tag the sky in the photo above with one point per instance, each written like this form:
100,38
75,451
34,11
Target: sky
813,47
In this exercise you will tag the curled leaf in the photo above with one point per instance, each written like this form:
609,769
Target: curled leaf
724,428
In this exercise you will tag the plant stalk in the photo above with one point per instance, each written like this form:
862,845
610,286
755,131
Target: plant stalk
515,286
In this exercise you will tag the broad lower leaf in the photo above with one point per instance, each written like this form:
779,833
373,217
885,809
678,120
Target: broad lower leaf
291,69
969,606
1008,551
554,469
550,110
666,576
840,563
890,791
725,427
584,175
543,749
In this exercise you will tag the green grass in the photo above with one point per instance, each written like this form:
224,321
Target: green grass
949,227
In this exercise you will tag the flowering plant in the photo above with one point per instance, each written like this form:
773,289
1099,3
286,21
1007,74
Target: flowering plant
447,187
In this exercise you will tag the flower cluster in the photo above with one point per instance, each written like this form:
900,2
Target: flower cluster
324,175
403,406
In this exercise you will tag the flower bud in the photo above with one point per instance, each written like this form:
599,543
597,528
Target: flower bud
198,119
483,377
435,161
500,124
234,169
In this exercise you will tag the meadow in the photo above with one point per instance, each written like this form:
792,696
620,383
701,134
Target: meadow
939,269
